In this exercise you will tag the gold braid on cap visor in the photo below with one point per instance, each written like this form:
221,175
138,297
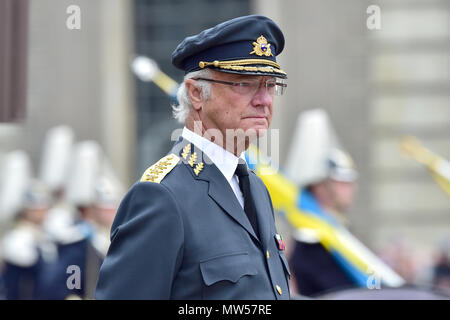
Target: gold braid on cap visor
240,65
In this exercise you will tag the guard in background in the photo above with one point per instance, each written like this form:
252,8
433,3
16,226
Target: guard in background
93,190
315,269
326,256
26,250
54,171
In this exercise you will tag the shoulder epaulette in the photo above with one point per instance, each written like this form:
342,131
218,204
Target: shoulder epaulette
159,170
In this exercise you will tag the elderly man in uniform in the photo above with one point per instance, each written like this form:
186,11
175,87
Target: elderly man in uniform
199,224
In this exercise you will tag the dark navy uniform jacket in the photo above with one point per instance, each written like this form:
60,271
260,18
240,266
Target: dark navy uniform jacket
187,237
23,283
81,254
316,271
26,257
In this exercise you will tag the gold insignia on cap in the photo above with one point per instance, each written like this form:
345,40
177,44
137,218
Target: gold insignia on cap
159,170
261,47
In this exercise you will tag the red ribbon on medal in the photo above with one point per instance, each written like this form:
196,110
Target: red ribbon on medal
281,244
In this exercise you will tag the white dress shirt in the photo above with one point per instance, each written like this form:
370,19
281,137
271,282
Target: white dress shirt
225,161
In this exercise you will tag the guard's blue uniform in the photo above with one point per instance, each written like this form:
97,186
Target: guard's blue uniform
80,254
316,271
77,251
187,237
23,283
26,254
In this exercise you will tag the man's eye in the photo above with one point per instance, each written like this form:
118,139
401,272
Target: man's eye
271,84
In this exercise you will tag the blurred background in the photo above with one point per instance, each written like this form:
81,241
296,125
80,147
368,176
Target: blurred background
377,85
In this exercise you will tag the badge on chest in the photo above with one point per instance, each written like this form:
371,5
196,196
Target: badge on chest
280,242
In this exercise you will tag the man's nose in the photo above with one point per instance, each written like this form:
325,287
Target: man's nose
262,97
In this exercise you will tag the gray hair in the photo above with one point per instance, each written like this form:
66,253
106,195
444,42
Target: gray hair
181,111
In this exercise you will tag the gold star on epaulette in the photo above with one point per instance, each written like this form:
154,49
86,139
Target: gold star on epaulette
159,170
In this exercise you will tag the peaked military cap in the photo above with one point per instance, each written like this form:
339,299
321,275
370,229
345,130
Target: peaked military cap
246,45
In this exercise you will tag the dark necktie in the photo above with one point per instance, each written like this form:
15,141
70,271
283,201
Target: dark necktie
249,205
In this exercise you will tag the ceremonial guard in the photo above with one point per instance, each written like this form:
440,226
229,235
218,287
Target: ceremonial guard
327,257
199,224
83,238
55,168
26,249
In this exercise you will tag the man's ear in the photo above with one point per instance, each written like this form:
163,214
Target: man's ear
195,94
